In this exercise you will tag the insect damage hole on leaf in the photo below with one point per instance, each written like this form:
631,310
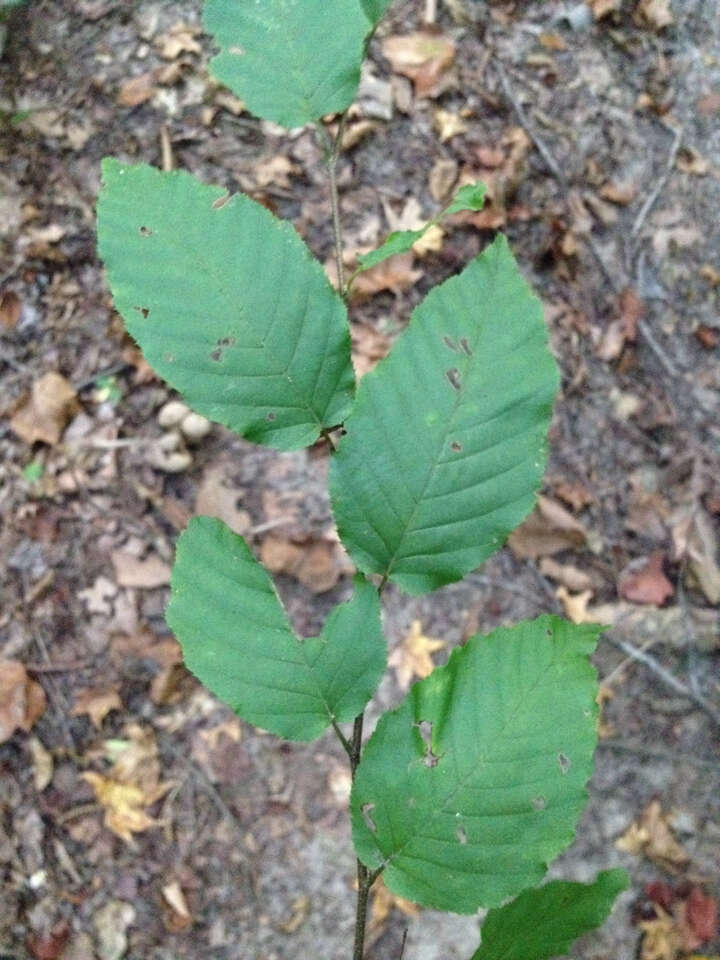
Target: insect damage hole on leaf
450,344
461,834
366,811
453,376
425,728
145,232
538,803
221,202
564,763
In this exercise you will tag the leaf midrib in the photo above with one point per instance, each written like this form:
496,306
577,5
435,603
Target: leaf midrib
435,463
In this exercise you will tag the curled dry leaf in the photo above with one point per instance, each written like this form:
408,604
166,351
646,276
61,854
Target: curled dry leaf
395,274
571,577
96,703
423,57
603,8
549,529
136,90
181,918
368,347
449,125
44,414
316,564
695,541
131,786
216,497
644,581
623,329
43,766
384,902
10,309
654,13
131,571
22,700
111,923
652,837
181,38
412,656
661,937
443,177
575,604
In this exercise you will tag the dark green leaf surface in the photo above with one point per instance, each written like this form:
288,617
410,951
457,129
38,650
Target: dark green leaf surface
237,640
291,61
473,815
226,303
445,446
469,197
544,922
376,9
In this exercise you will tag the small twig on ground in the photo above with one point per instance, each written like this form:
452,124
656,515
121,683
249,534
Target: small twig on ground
168,160
402,945
645,331
668,678
674,756
57,667
652,197
544,152
430,11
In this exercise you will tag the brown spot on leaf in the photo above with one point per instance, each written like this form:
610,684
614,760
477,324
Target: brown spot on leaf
453,376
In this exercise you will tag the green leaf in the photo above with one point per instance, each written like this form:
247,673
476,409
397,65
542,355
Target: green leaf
446,443
227,304
473,815
237,640
376,9
469,197
290,61
399,241
544,922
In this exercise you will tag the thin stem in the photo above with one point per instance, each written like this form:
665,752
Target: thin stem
347,746
332,152
364,884
356,746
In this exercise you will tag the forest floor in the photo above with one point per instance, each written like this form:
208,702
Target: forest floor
597,128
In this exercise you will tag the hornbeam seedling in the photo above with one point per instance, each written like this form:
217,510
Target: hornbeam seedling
466,791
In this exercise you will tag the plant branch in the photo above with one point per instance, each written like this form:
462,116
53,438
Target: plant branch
347,746
332,152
